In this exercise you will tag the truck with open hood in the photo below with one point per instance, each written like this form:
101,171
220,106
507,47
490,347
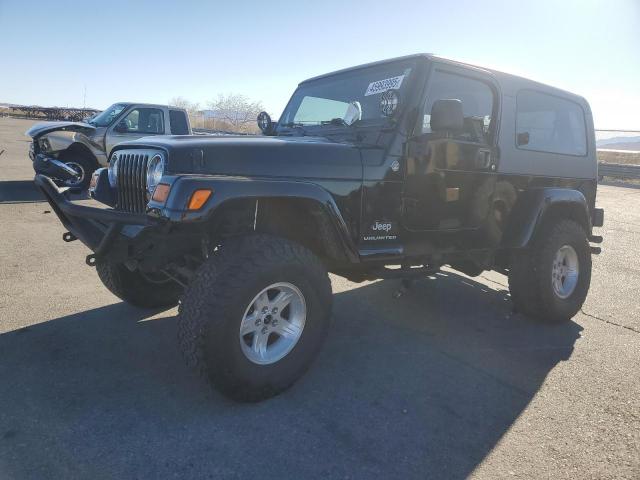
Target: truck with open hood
70,152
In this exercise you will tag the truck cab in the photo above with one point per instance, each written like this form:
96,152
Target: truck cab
71,151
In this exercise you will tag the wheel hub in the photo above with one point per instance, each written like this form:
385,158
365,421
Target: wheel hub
565,271
79,174
273,323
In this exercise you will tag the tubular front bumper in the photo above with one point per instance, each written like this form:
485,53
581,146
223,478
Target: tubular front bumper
100,229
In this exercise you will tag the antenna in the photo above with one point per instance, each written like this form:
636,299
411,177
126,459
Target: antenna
84,97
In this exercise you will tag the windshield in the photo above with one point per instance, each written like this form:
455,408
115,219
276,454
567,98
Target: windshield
352,97
105,118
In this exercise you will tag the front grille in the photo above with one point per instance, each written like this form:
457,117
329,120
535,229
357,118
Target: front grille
132,182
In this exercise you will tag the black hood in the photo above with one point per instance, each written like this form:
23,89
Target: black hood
248,156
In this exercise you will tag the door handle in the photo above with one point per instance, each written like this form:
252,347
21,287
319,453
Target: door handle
483,159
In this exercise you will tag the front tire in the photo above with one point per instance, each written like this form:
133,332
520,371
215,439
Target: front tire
255,316
550,281
84,167
138,289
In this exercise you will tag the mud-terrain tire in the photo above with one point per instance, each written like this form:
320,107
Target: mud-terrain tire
532,274
137,289
226,292
83,164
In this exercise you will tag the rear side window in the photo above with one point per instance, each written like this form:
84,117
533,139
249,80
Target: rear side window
546,123
178,122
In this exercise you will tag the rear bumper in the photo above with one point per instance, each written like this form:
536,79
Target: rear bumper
100,229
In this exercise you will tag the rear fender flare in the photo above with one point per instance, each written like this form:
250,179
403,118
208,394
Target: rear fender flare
534,206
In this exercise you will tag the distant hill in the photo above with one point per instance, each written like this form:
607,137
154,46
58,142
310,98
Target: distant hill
632,147
620,143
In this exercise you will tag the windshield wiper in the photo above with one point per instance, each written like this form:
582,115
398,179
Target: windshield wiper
335,121
295,125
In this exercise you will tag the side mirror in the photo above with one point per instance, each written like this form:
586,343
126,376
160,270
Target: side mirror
264,123
353,113
121,127
522,138
447,116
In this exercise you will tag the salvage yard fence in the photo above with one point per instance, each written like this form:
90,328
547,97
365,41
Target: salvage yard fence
49,113
617,170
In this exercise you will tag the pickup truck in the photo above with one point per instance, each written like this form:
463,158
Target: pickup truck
69,152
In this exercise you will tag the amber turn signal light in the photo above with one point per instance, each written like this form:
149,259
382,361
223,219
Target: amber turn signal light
161,193
198,199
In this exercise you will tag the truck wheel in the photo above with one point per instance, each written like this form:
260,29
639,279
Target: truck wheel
138,289
255,316
83,165
550,281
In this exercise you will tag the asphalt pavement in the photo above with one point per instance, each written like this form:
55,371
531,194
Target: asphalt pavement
445,382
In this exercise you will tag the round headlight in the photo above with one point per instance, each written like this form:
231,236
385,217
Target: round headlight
155,170
113,170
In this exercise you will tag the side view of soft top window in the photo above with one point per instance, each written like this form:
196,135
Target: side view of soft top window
551,124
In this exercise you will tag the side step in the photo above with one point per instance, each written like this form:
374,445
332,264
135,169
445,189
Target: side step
406,273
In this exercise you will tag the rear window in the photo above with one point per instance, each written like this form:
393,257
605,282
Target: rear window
546,123
178,123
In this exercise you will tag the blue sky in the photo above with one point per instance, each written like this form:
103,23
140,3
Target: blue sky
152,51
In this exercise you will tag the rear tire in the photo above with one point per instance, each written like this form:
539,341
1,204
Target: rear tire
137,289
226,292
550,280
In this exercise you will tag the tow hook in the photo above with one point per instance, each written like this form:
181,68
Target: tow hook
68,237
595,239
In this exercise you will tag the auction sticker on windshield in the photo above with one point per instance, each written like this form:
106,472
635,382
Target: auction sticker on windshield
380,86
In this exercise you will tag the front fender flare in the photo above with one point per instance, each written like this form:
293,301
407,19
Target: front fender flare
232,188
531,207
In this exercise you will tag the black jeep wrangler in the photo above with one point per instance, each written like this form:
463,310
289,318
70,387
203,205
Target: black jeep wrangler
388,170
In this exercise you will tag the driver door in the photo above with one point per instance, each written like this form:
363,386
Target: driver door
450,177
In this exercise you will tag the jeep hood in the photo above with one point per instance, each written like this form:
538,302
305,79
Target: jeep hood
250,156
42,128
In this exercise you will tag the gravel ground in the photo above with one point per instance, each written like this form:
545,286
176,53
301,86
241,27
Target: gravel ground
445,382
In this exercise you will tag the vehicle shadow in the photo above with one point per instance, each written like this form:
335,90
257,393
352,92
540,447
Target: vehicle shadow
25,191
19,191
420,387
